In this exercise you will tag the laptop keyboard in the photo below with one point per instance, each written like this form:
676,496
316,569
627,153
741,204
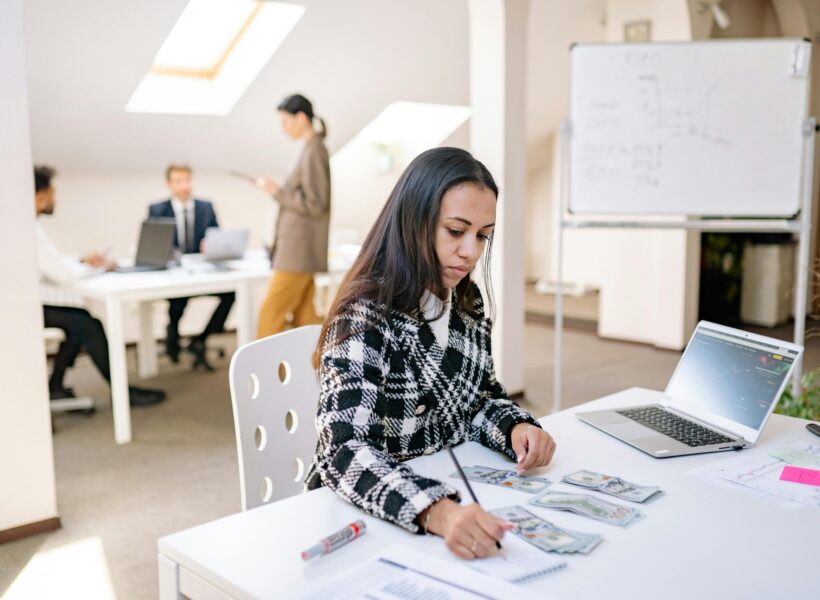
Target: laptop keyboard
676,427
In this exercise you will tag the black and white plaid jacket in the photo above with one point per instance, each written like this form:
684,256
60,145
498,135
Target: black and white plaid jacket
390,393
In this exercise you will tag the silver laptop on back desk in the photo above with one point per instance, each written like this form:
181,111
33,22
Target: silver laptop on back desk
225,244
721,394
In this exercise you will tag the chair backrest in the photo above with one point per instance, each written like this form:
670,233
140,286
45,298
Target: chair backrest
52,336
275,395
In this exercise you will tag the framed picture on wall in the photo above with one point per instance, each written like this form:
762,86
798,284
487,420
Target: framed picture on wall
637,31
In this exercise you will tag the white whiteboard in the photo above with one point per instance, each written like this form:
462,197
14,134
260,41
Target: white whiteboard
696,128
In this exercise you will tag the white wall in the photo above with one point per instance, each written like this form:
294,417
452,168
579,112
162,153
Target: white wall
498,138
360,188
26,459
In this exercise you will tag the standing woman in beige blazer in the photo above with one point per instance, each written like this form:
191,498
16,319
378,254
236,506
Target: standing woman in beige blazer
300,246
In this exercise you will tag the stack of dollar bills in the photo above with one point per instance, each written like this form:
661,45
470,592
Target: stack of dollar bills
546,536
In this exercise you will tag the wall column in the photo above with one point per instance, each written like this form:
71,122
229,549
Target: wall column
28,503
498,34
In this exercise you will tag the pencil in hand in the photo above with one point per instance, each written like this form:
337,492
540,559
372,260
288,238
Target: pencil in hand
469,488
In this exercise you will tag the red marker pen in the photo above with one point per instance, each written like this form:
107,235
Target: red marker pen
337,540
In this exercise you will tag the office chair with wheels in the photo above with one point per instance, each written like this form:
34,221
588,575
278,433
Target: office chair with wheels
275,395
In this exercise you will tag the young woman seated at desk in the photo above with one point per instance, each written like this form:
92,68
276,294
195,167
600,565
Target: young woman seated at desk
404,359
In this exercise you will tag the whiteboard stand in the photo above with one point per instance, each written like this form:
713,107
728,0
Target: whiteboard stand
803,248
800,226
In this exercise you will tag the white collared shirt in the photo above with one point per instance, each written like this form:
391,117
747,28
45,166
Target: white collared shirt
183,228
57,271
431,305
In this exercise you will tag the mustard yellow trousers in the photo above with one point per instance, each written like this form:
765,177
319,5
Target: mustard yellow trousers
290,295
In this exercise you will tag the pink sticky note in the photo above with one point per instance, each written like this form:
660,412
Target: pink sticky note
798,475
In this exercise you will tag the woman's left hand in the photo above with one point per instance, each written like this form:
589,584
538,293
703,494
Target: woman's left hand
533,446
269,186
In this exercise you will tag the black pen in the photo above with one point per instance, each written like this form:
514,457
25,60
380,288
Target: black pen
467,483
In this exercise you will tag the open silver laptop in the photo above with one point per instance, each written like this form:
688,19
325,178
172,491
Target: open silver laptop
155,248
225,244
721,394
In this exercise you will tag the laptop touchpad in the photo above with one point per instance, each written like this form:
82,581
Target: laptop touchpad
629,430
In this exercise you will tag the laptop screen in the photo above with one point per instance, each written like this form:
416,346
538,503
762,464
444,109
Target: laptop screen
156,242
731,376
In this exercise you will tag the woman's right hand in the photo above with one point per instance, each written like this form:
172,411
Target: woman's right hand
269,186
469,531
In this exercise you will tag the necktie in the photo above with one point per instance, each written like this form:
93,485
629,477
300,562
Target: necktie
189,234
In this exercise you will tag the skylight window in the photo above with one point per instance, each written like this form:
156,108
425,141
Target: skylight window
400,132
415,123
212,54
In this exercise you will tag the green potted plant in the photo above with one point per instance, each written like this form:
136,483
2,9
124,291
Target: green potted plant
806,405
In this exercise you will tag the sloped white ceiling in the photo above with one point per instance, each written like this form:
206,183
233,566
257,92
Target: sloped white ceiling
351,57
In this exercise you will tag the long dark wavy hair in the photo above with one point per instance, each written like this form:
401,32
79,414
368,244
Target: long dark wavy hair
398,259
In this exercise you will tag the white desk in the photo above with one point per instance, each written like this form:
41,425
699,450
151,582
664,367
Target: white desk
117,289
698,541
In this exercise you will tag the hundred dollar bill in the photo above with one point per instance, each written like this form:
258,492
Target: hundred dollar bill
614,486
506,479
589,506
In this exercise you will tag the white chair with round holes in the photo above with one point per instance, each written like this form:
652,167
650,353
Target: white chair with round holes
275,395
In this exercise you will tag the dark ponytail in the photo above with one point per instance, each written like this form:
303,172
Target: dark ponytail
297,103
323,132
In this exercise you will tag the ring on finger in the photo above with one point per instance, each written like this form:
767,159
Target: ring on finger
474,547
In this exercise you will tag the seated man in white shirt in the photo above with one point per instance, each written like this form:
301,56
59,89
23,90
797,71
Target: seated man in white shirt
82,331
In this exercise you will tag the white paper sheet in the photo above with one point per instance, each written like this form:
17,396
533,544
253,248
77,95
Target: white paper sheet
757,473
400,573
519,563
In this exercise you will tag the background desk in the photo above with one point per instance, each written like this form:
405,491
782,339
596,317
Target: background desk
117,289
698,541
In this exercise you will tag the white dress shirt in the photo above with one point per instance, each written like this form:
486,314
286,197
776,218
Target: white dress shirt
431,305
184,228
57,270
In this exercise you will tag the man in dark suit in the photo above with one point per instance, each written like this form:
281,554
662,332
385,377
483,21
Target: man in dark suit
193,217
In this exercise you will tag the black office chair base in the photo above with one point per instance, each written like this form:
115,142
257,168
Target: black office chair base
201,363
198,349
